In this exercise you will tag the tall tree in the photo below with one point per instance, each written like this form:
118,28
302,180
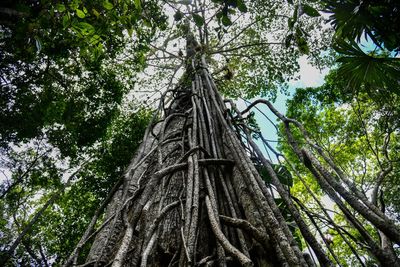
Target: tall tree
199,191
187,177
192,194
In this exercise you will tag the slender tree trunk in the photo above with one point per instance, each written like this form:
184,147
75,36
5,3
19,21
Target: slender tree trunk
333,182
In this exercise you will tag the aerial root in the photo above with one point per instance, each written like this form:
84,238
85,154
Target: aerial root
243,259
152,231
245,225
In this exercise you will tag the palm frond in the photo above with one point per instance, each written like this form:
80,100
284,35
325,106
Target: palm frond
371,71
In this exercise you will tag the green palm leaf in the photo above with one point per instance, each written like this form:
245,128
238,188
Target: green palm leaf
371,71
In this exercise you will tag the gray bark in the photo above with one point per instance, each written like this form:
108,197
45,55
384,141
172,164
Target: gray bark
193,158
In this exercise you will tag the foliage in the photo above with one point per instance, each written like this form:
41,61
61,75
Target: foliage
374,71
360,133
32,29
64,76
244,42
351,21
354,19
68,66
284,34
60,227
283,174
46,50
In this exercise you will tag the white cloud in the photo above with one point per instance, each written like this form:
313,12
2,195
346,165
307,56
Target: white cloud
310,76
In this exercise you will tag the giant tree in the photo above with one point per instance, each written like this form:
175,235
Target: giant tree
192,194
199,190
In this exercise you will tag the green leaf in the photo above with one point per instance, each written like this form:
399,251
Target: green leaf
74,4
226,21
301,41
80,13
65,21
95,12
86,28
264,174
362,69
147,23
297,237
302,45
232,11
285,211
310,11
60,7
178,15
199,20
130,31
142,59
241,6
283,174
95,39
138,5
107,5
288,40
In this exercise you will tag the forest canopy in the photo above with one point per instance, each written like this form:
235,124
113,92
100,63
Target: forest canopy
96,94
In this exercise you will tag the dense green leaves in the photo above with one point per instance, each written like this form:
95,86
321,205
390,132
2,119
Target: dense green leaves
63,81
359,131
379,20
35,171
54,75
378,72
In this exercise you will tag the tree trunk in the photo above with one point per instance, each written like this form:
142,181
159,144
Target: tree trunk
191,195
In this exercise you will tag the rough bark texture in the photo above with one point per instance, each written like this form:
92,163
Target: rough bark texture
193,197
190,171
